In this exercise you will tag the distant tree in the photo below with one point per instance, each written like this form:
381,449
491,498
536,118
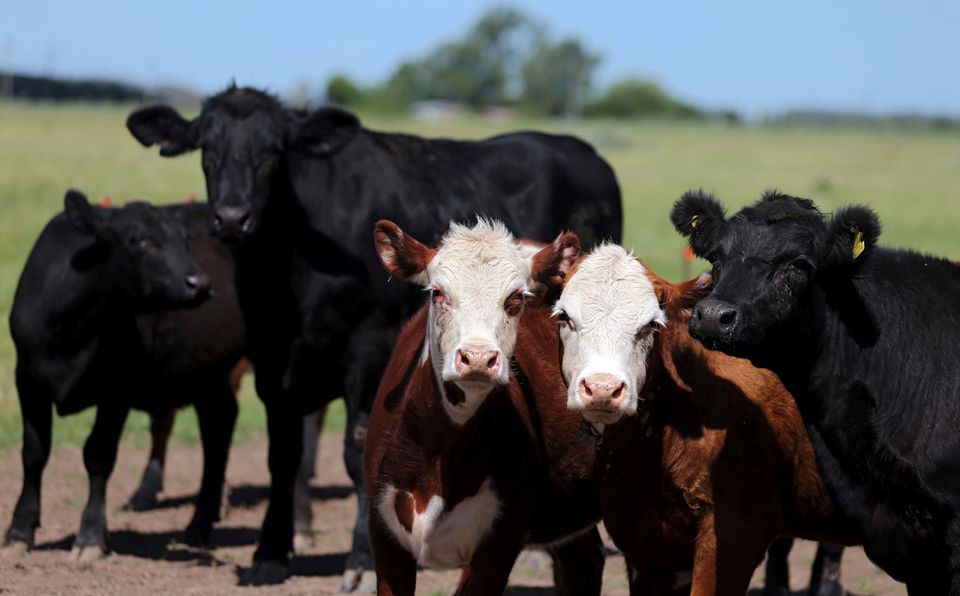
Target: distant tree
637,98
478,71
341,90
556,78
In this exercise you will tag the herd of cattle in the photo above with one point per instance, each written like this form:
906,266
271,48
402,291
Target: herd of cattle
806,387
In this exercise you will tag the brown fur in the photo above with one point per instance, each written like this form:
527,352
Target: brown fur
715,465
522,436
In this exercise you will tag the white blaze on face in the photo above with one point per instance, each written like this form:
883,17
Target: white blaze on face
477,279
608,314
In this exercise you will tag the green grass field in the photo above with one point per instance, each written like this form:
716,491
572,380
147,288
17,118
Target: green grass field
911,179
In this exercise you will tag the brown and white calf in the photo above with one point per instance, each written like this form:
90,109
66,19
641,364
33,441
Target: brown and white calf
471,453
703,458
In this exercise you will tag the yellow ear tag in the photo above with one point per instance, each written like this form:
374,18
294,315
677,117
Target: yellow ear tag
858,244
694,222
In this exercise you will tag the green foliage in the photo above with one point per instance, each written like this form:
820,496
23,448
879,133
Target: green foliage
477,70
637,98
342,91
556,77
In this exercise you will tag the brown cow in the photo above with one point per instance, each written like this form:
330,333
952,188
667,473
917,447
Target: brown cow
471,453
704,458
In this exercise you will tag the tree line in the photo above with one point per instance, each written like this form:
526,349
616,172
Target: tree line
508,58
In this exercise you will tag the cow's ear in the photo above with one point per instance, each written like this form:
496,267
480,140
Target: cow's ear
80,213
164,126
853,234
699,216
551,265
402,255
323,131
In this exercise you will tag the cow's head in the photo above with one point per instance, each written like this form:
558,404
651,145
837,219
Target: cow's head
765,261
244,135
478,279
608,314
142,251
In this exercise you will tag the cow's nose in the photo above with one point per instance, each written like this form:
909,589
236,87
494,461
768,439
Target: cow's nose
232,221
198,284
479,361
714,318
603,392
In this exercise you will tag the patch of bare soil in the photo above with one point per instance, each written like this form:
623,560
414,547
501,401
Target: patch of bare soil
147,558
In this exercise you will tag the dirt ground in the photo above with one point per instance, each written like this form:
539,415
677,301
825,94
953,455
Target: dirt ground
147,558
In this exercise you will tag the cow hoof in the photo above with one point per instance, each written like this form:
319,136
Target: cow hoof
302,542
84,555
776,591
141,502
197,535
266,573
829,588
350,580
14,549
368,582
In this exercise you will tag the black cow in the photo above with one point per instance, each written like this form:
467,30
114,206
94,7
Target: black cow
96,322
296,195
866,340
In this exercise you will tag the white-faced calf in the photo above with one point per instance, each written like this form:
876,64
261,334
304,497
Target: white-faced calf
471,453
703,458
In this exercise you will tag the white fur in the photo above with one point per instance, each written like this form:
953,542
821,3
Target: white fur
477,268
438,539
610,301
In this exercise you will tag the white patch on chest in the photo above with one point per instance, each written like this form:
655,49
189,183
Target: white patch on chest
439,539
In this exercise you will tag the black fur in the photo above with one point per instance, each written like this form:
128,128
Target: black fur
299,208
96,321
868,346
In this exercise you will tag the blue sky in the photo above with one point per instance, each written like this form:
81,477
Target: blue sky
757,57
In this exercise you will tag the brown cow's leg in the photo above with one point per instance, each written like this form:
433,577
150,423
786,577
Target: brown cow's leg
741,547
578,564
145,497
491,564
396,568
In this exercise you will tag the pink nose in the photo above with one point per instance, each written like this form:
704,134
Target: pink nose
477,361
602,392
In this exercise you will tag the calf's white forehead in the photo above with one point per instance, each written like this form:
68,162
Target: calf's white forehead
482,258
610,290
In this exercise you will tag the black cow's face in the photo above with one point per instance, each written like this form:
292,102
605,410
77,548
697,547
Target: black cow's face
244,135
241,160
765,260
142,250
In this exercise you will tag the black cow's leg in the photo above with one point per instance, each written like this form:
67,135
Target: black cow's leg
302,514
37,422
99,457
145,497
276,536
777,578
358,573
217,415
825,574
578,564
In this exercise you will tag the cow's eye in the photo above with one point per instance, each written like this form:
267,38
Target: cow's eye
436,294
141,244
645,331
715,271
802,265
564,320
514,303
